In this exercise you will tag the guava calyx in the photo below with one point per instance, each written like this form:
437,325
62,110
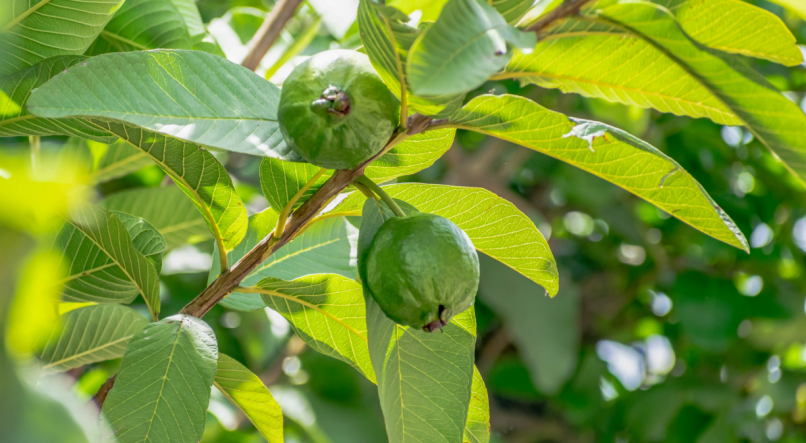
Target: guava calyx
332,101
444,319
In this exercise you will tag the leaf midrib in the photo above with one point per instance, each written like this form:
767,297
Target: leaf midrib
518,74
24,15
89,351
164,378
131,278
117,37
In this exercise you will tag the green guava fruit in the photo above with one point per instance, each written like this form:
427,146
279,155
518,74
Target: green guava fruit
335,111
422,270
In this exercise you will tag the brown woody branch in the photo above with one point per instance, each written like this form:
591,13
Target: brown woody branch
269,31
569,7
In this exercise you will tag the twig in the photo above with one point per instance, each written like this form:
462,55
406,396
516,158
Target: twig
227,281
269,31
570,7
231,278
100,396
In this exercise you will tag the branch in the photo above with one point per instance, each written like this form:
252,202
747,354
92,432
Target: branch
269,31
227,281
569,7
232,277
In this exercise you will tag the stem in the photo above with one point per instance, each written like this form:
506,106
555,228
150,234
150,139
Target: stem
278,230
269,31
364,180
34,140
364,190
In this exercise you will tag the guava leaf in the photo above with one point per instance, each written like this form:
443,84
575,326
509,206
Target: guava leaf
143,24
737,27
281,180
118,270
424,379
245,390
776,121
512,10
468,43
604,151
570,58
198,174
496,227
650,62
15,89
327,312
190,95
411,156
387,43
327,246
477,428
192,18
90,334
166,208
36,30
163,384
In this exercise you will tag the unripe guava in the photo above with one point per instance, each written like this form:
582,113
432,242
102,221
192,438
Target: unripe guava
422,270
335,111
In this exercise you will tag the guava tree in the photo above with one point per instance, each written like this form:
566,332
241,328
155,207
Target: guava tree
140,81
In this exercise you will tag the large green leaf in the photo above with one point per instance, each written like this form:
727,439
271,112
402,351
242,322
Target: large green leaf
604,151
387,43
245,390
775,120
466,45
35,30
325,247
89,335
546,331
280,180
15,89
631,71
108,234
327,311
163,384
424,379
198,174
477,428
143,24
190,95
412,155
650,62
738,27
94,276
495,225
192,18
166,208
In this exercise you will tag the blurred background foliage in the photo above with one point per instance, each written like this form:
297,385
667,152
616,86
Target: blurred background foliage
659,333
